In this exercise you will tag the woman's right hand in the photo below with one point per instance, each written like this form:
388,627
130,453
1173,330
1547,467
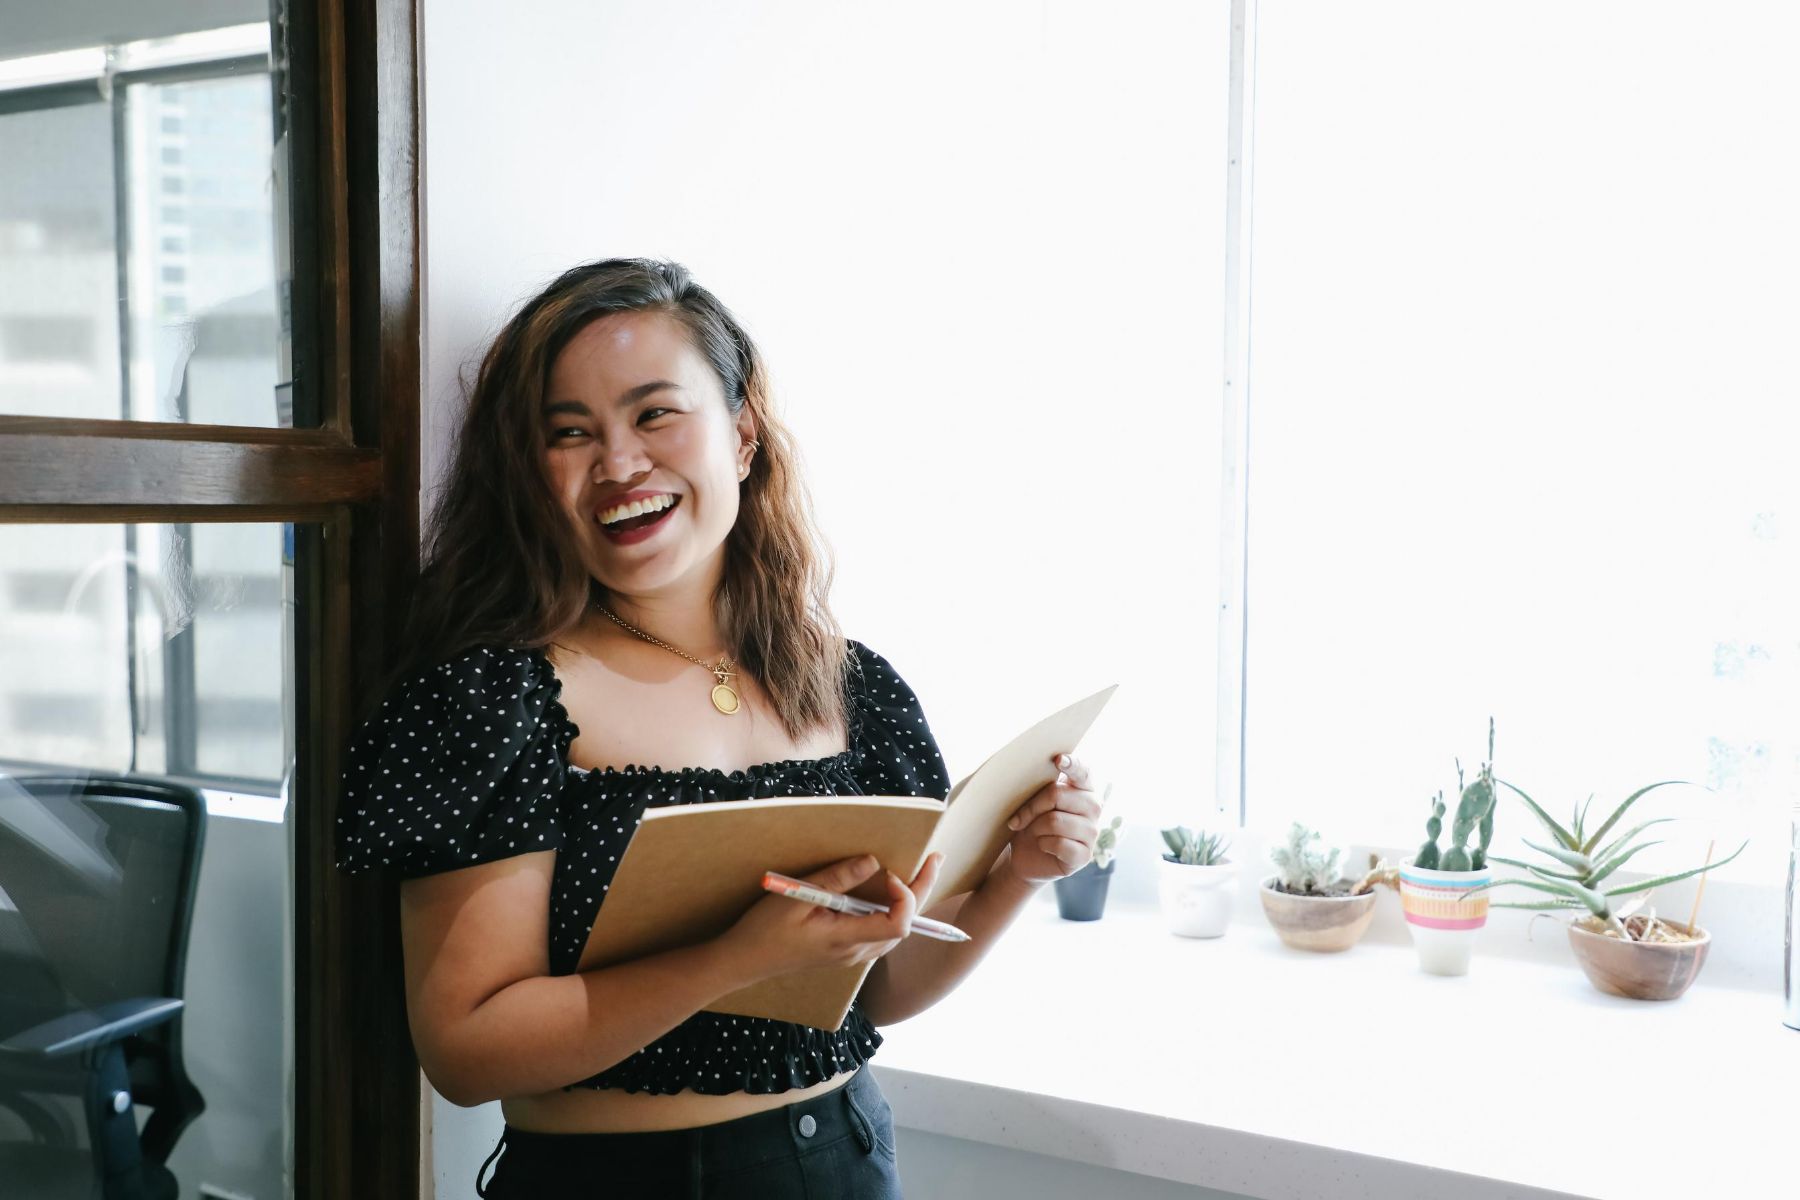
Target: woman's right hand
779,935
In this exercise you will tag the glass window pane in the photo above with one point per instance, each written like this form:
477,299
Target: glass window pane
202,275
189,159
1524,399
59,274
156,650
150,648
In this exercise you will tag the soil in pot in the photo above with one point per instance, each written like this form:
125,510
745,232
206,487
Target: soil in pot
1341,888
1660,968
1327,921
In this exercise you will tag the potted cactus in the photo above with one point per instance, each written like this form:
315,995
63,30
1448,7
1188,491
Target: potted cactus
1309,905
1623,951
1441,892
1198,884
1082,896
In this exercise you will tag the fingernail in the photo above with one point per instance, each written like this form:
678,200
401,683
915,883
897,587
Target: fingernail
867,860
1062,760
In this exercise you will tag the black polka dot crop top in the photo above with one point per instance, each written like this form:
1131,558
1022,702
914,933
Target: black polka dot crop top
468,763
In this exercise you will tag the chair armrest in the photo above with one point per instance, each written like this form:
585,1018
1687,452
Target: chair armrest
75,1032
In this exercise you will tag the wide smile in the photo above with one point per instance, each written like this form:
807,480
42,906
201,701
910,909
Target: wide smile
636,522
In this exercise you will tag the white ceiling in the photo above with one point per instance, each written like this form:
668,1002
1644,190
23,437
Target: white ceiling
41,26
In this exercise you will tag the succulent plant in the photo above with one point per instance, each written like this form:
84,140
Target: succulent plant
1106,845
1474,811
1195,849
1306,869
1581,864
1427,856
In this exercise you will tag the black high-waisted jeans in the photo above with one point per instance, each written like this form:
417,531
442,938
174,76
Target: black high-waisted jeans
838,1145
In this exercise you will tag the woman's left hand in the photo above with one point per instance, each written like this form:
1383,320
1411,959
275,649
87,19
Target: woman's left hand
1056,829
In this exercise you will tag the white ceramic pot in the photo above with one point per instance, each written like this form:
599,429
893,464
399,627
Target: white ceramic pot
1197,901
1441,917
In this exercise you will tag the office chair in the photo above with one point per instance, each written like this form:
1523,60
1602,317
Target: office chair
97,881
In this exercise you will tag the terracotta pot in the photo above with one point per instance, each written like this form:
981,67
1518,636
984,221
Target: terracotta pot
1323,923
1640,970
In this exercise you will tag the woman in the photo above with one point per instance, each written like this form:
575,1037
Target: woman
623,571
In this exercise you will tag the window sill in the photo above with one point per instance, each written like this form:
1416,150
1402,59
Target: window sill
1116,1044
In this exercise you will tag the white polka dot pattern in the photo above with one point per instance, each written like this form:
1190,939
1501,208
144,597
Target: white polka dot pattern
468,763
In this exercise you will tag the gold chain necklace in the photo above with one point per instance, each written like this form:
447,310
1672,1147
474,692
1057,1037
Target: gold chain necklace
723,697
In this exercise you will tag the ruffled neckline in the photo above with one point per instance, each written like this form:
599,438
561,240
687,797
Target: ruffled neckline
567,731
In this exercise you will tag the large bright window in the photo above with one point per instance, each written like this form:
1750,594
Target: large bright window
1521,379
1525,401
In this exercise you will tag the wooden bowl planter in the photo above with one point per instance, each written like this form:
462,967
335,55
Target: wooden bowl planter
1326,924
1640,970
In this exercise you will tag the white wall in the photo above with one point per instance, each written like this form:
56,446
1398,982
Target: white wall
232,1027
981,246
75,24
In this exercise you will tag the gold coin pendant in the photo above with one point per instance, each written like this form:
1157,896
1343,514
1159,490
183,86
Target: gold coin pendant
724,699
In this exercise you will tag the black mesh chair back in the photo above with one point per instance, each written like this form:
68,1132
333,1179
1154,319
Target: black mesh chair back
97,883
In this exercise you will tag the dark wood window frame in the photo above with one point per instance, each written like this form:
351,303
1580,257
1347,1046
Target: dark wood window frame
353,481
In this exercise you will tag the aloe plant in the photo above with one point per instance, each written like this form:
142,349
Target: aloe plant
1580,864
1195,849
1306,869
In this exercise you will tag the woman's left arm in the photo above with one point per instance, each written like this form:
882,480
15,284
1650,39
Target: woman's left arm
1054,836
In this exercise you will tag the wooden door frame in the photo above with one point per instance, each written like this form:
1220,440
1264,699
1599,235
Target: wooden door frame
352,483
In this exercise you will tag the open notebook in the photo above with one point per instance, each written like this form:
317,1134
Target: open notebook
692,870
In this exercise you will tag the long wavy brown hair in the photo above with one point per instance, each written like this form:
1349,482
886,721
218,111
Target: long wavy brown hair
502,566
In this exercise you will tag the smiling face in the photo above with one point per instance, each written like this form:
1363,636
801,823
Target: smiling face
637,431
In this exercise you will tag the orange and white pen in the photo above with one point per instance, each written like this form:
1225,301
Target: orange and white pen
799,889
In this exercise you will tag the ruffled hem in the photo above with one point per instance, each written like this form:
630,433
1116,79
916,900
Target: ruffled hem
799,1056
566,728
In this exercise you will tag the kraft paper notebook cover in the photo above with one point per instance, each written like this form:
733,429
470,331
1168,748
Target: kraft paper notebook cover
692,870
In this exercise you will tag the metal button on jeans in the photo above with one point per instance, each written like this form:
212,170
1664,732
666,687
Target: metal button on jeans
808,1126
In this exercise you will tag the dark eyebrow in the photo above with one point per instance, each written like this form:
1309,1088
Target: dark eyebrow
631,397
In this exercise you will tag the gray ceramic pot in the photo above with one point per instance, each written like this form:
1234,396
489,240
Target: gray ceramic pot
1082,896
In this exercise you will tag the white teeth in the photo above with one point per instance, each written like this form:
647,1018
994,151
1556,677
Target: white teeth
637,508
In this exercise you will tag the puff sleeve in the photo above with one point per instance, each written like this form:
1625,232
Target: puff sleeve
462,765
900,756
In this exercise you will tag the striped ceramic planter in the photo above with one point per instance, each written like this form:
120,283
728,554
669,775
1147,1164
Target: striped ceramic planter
1442,917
